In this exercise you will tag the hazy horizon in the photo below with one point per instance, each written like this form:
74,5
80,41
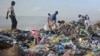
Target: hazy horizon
31,22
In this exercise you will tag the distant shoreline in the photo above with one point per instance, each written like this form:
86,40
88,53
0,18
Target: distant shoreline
31,22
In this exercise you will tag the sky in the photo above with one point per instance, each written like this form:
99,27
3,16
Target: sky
66,8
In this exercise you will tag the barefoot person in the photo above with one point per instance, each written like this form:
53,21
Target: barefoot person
12,15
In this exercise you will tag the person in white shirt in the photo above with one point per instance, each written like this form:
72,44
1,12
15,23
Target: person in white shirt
87,22
12,15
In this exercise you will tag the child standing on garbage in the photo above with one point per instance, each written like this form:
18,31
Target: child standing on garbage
49,20
12,15
87,22
52,20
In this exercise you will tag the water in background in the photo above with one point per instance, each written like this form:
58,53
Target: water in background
27,22
24,22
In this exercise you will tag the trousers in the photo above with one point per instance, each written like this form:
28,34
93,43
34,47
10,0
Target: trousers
14,22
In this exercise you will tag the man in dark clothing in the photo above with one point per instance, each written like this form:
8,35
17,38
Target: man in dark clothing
12,15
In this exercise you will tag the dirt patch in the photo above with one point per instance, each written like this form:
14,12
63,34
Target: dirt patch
12,51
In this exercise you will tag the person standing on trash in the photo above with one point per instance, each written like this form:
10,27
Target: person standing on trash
53,19
49,17
49,20
87,22
81,19
11,14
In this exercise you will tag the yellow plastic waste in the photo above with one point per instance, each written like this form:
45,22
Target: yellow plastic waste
89,54
54,40
32,45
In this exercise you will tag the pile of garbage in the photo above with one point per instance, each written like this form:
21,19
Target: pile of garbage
69,39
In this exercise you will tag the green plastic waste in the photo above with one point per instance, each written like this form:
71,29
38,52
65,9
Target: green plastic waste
96,50
64,40
84,31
